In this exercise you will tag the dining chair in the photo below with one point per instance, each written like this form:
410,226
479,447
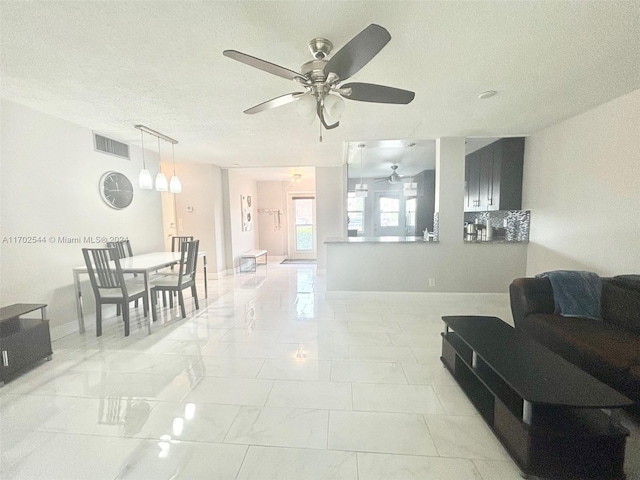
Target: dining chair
185,278
109,285
123,247
176,242
124,251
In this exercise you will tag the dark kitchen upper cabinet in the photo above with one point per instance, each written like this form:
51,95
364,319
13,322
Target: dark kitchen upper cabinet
493,176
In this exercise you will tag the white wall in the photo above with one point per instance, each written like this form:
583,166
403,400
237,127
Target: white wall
49,189
199,210
582,185
331,208
270,197
235,185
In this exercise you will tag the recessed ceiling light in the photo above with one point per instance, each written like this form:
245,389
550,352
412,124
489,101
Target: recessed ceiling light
487,94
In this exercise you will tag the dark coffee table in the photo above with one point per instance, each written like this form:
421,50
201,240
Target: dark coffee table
555,420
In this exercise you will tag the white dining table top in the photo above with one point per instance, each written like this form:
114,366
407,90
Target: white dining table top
146,261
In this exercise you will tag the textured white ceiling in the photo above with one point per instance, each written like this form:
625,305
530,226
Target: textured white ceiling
110,65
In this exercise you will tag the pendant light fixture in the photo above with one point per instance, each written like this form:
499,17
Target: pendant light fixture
410,189
361,189
161,183
161,180
174,184
144,179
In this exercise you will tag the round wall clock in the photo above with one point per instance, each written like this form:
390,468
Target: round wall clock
116,190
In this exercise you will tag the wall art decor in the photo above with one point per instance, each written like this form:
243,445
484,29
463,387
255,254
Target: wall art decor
247,213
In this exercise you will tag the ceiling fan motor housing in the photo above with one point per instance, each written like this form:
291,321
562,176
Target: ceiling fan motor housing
314,70
320,48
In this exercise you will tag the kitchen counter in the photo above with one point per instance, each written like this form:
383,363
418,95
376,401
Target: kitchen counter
409,239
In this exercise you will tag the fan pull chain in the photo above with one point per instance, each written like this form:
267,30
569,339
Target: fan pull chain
320,132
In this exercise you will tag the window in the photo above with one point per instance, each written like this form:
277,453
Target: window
410,211
355,212
304,224
389,211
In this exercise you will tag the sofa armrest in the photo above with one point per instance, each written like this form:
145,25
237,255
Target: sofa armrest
530,295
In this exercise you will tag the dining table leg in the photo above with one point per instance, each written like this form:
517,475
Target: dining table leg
78,292
148,300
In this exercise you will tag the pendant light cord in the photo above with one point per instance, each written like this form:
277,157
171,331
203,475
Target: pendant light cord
173,156
144,165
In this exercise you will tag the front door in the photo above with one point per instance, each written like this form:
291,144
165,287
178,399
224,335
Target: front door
302,229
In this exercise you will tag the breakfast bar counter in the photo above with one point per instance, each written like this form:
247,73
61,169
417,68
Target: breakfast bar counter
408,239
410,264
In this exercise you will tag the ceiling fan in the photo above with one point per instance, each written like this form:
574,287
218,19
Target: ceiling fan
322,78
394,178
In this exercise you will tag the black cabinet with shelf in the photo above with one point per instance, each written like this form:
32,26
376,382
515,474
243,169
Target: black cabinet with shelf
514,382
493,176
23,341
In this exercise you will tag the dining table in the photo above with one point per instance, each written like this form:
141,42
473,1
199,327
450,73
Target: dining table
143,265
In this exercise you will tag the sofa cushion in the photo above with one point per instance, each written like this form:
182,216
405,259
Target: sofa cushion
530,295
632,282
621,306
604,350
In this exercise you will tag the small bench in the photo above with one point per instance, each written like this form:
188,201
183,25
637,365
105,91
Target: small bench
251,258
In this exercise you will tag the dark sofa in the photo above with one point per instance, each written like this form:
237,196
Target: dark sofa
608,349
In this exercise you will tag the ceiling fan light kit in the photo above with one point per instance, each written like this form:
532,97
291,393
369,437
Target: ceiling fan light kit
321,78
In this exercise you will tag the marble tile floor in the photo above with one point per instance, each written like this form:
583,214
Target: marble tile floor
270,379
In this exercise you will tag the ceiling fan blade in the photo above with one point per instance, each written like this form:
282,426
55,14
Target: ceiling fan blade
369,92
358,52
263,65
275,102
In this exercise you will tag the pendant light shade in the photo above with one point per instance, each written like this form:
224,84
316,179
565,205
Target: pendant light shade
144,179
410,189
161,182
174,185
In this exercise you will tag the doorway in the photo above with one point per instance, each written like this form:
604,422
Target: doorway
302,226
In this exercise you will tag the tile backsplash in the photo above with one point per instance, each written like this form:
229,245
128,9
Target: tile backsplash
514,223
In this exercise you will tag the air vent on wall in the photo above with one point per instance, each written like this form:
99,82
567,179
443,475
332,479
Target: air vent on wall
110,146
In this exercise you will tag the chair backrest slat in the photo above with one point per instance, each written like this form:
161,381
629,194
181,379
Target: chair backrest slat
123,247
176,242
188,260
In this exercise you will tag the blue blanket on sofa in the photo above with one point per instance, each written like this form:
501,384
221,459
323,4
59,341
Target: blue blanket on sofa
576,293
